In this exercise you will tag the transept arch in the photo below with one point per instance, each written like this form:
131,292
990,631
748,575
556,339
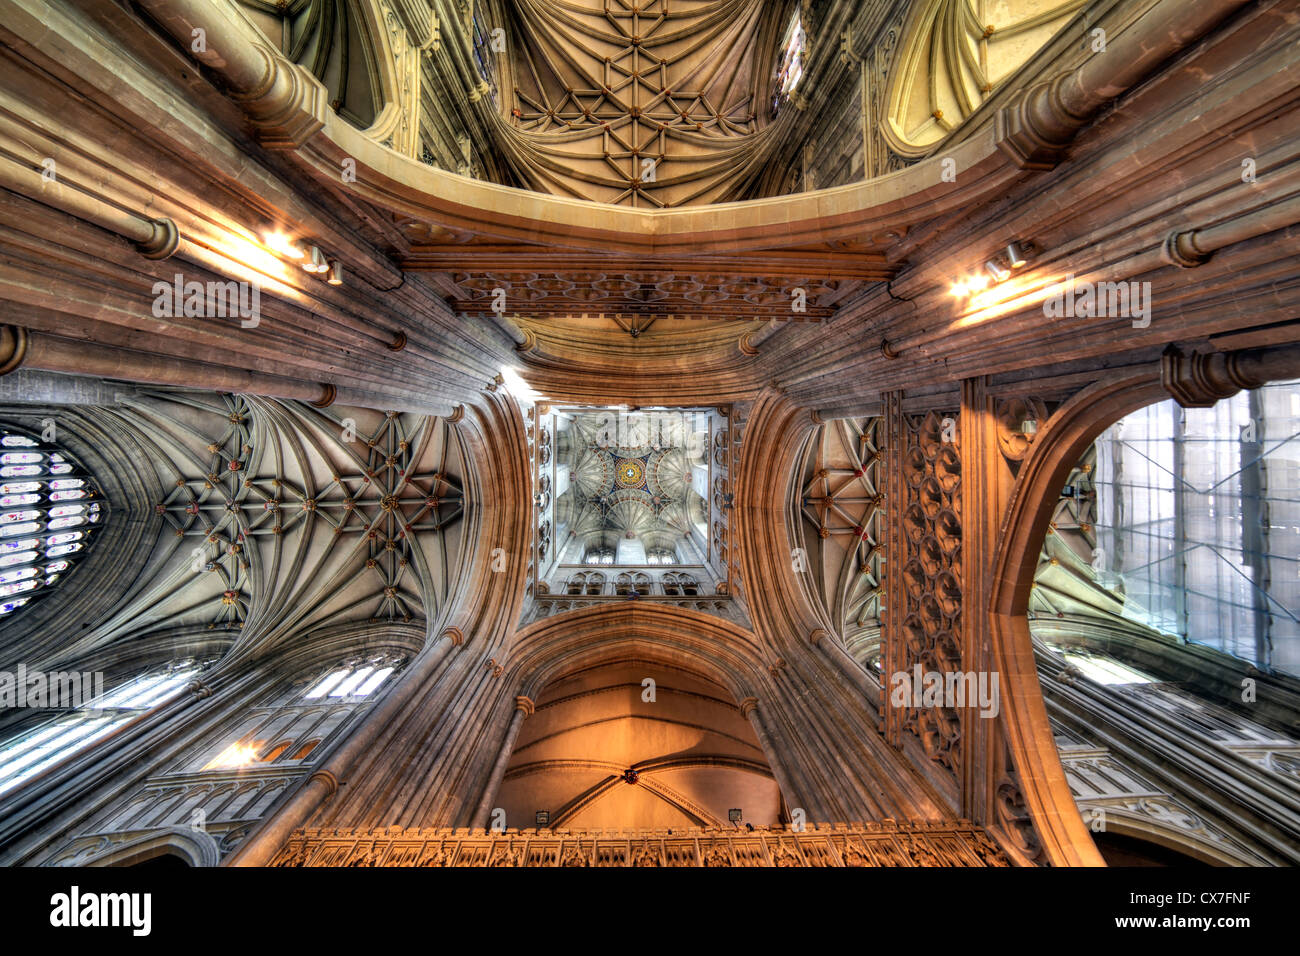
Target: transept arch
633,742
1055,451
370,491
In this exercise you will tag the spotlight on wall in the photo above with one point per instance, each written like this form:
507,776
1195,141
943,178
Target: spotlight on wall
315,261
335,273
997,268
543,818
282,245
997,271
735,814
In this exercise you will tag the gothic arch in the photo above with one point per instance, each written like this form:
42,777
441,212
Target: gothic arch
366,55
950,63
109,571
1175,838
694,646
787,605
1055,451
195,848
674,637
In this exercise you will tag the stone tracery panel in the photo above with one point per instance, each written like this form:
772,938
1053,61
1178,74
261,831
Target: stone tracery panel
924,617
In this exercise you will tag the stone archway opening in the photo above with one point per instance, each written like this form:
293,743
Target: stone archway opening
632,744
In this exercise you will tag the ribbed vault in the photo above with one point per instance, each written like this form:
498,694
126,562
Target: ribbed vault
637,744
649,103
259,518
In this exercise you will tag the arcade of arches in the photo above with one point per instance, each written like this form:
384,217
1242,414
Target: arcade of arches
649,432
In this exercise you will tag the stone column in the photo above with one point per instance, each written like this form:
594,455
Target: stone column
749,708
523,708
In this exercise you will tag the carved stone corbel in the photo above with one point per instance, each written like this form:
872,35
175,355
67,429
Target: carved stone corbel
1180,249
284,102
1036,129
331,782
289,107
164,241
1200,380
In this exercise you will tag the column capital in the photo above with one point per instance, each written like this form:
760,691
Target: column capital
1199,380
327,777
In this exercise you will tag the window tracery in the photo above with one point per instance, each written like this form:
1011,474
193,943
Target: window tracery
50,508
679,584
289,728
586,582
627,582
1186,522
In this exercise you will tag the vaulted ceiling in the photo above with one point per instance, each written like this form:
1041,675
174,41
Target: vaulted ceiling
629,482
639,102
259,520
638,745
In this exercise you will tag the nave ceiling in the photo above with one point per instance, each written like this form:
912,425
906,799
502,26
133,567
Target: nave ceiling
259,520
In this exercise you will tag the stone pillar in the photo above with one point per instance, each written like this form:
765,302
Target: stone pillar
749,708
523,708
892,658
986,484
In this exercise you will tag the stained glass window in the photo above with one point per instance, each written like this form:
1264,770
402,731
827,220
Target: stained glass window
354,680
38,512
487,44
